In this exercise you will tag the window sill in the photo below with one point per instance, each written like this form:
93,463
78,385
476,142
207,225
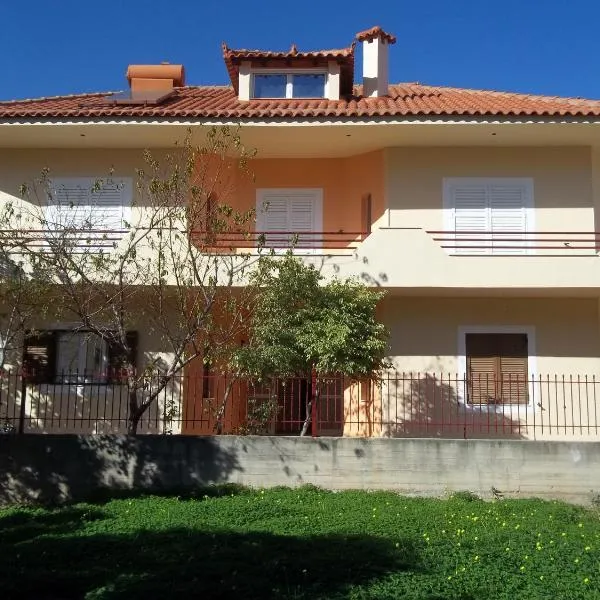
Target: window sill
499,409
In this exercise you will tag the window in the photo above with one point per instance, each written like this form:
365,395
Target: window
488,216
497,368
102,206
67,356
289,85
80,357
290,217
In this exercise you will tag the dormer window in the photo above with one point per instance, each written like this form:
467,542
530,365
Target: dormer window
289,85
269,75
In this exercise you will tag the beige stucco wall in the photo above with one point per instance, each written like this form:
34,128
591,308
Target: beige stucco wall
562,177
423,397
19,167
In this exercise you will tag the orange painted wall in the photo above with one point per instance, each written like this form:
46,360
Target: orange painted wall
344,182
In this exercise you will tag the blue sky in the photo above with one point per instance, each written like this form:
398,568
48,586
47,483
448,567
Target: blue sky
536,46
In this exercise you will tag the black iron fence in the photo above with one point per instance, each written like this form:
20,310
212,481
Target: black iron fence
398,405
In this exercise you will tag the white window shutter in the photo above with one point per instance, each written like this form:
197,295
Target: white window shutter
471,218
274,219
508,214
493,213
290,214
102,205
302,219
70,197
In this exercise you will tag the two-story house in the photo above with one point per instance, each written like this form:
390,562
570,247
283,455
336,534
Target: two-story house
475,210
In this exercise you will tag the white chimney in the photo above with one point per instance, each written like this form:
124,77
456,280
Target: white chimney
376,43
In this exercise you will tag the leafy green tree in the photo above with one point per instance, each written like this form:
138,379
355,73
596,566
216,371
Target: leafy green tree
301,325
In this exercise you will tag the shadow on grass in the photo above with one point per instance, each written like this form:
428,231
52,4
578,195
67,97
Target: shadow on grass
187,563
18,527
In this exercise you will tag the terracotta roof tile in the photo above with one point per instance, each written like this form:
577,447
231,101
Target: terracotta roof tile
375,32
404,100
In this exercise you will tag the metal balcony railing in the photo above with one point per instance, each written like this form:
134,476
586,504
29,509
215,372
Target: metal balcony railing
563,243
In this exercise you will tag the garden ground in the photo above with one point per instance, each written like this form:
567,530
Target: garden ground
303,543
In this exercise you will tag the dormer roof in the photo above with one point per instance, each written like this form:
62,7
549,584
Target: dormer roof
292,58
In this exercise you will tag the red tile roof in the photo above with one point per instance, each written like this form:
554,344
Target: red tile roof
404,100
375,32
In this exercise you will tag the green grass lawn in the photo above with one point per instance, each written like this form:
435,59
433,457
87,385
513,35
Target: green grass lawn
304,543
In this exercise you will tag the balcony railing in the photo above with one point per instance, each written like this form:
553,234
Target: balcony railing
562,243
281,240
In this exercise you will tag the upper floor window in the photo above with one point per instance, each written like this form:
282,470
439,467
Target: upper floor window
93,212
289,85
488,215
290,217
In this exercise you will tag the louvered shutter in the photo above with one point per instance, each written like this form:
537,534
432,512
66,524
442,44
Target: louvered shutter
508,214
286,215
482,365
67,209
497,368
109,204
513,368
275,219
471,218
301,219
39,357
86,203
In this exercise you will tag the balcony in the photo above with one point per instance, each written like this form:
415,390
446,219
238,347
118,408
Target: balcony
397,257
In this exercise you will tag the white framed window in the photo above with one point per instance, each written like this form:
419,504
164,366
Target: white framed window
290,217
95,211
289,84
488,215
498,365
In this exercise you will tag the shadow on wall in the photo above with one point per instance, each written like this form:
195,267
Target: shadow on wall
83,408
64,468
429,407
190,562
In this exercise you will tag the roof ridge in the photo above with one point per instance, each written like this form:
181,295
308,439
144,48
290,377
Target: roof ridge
542,97
59,97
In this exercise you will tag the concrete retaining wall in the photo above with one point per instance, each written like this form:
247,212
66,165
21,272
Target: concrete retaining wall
67,467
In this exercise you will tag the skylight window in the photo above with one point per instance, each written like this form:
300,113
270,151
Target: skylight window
289,85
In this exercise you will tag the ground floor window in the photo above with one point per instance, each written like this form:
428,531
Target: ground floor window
497,368
497,364
75,356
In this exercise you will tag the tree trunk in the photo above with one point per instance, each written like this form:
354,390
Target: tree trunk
311,405
221,411
134,412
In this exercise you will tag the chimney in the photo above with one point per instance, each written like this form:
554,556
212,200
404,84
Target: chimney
155,78
376,44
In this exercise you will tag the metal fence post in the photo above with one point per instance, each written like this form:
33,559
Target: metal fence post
23,401
313,404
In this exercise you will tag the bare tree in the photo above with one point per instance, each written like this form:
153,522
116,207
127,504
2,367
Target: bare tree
163,263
